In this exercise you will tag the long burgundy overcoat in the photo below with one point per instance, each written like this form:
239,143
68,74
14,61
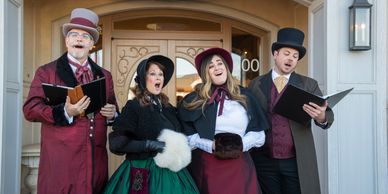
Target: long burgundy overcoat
73,158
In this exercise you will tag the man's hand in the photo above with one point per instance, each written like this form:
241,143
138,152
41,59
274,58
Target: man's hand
108,111
77,108
318,113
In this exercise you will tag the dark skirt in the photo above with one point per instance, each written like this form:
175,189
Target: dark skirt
214,176
159,181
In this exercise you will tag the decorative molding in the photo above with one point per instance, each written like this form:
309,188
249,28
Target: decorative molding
305,2
17,3
130,55
189,51
199,7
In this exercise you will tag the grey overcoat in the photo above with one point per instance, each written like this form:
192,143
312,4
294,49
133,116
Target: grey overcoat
302,135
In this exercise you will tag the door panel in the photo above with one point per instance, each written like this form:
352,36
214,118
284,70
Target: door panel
186,50
126,55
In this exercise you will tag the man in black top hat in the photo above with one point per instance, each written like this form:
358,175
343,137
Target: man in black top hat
287,162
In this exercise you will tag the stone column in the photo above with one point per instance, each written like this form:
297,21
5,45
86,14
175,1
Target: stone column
30,158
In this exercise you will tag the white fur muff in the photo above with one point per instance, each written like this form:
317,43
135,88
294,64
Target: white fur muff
176,154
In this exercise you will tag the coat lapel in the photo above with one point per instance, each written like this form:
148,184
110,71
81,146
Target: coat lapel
295,80
265,85
208,123
96,69
66,74
64,71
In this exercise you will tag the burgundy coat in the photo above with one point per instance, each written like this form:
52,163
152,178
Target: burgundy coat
70,160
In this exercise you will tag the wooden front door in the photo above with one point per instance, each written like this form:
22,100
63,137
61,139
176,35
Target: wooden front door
128,53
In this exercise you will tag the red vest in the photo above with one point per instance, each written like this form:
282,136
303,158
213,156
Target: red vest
279,139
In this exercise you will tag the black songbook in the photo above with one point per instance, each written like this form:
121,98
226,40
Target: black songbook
95,90
290,104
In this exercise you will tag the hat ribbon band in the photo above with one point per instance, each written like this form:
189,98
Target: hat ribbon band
83,21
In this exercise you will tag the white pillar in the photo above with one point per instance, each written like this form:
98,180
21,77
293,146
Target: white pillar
2,60
354,149
11,84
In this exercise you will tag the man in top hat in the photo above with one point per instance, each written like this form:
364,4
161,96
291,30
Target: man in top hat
73,156
287,162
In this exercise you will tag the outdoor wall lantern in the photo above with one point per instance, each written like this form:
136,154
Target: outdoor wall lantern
360,26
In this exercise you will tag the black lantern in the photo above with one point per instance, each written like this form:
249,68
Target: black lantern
360,26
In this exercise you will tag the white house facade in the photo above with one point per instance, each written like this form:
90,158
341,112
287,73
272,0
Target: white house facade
352,154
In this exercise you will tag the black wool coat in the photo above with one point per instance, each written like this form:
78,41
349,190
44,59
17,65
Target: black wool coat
204,122
135,125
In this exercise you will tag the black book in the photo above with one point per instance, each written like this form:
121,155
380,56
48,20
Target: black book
95,90
290,104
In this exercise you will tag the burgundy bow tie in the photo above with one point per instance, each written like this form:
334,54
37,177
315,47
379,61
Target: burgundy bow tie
219,94
83,74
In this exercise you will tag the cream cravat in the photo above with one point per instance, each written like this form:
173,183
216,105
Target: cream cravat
280,82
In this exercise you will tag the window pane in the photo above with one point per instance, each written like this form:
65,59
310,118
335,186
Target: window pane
186,78
245,54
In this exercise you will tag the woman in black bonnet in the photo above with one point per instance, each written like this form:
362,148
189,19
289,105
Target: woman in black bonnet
147,132
223,121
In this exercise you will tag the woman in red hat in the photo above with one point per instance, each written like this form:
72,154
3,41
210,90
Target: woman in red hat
147,133
223,122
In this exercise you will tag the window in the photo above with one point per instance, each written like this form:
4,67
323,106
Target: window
186,78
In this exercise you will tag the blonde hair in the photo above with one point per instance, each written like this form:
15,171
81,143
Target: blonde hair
204,89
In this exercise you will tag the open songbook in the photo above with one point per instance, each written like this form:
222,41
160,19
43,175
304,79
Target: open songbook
95,90
290,104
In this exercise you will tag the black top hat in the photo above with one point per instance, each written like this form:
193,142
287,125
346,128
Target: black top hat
292,38
164,61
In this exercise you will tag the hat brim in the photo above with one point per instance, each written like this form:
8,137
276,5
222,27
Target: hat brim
301,49
168,66
92,31
167,63
214,51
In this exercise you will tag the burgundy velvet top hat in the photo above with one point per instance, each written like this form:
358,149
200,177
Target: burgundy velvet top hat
83,19
142,69
214,51
292,38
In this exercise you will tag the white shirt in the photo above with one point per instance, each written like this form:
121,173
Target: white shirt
234,119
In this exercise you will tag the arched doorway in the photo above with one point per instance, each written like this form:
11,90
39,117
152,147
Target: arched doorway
180,35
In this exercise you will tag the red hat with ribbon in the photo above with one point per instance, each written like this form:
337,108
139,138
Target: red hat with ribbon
214,51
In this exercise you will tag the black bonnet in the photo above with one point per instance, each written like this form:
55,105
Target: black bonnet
164,61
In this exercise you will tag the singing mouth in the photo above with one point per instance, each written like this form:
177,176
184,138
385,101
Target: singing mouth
158,85
78,46
219,74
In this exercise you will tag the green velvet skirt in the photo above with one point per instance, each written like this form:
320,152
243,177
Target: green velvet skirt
160,180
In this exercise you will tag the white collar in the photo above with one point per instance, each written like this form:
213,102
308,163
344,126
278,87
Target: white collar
275,75
75,60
